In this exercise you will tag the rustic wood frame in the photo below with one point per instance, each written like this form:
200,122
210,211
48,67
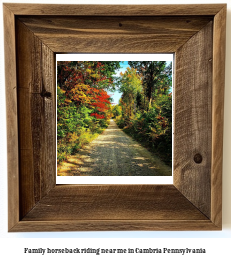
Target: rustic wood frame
33,34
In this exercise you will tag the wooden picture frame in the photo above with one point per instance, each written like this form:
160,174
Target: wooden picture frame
34,33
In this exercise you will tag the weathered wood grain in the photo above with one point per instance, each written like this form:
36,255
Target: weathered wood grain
114,225
114,207
218,114
193,126
77,25
48,145
36,134
108,202
110,207
27,185
35,65
11,116
114,10
115,34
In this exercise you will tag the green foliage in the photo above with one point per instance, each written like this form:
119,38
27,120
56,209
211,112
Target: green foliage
110,67
83,106
153,128
130,86
156,77
147,110
75,130
116,111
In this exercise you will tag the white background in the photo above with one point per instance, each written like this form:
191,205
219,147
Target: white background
217,243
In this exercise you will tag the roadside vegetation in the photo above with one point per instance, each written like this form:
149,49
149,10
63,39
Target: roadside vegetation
145,108
84,107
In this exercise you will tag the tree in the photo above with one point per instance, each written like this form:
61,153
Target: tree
130,86
155,77
83,105
116,110
147,109
83,84
109,71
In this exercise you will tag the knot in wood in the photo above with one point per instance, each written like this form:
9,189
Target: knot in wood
45,94
198,158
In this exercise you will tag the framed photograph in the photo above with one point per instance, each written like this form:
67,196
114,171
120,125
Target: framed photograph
97,98
34,34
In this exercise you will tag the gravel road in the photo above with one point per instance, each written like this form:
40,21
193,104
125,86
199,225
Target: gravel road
114,153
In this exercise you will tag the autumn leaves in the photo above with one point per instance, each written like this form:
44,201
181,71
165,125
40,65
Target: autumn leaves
83,105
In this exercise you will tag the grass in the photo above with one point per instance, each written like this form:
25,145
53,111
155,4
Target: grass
71,144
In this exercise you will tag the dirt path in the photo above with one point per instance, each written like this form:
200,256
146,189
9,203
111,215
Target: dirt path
114,153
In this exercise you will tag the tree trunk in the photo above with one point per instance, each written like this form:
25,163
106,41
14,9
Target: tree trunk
150,84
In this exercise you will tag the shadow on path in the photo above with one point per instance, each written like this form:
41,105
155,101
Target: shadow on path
114,153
